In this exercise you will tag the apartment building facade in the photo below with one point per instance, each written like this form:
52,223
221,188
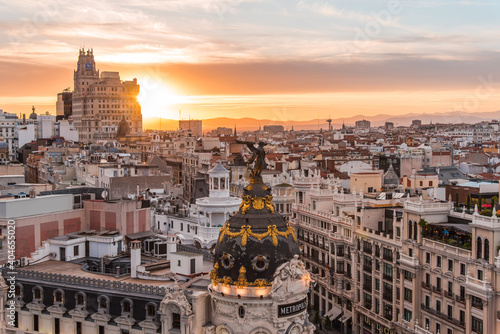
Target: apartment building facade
398,265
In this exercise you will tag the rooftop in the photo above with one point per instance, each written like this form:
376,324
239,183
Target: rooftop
75,270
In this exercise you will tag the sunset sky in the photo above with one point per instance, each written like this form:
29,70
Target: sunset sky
281,60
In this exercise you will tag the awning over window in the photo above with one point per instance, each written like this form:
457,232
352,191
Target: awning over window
347,316
333,313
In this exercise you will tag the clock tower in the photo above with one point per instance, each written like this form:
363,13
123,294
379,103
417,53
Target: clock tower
85,76
101,100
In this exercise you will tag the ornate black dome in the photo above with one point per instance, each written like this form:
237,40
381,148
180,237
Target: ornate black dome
254,242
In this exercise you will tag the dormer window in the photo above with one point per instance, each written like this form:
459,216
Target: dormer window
19,291
80,299
126,307
37,293
103,304
150,310
58,296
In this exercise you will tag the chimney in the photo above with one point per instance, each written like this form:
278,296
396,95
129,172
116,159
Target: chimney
135,257
171,244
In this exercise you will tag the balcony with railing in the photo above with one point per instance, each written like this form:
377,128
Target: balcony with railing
408,260
443,316
426,285
436,289
443,247
428,207
475,284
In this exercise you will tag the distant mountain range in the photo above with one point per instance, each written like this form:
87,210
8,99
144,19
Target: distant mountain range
250,124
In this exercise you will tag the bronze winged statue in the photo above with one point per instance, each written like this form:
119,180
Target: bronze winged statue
259,157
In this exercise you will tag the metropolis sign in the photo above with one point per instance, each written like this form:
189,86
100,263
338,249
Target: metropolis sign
293,308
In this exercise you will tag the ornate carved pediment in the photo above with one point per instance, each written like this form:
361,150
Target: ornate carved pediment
448,274
35,306
58,309
19,303
127,321
225,309
149,324
78,313
437,271
99,316
177,297
224,329
209,329
286,275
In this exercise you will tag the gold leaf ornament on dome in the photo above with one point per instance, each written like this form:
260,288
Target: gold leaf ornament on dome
246,203
268,202
242,278
246,231
258,203
214,274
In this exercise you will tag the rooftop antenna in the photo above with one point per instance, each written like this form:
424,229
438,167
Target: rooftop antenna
329,121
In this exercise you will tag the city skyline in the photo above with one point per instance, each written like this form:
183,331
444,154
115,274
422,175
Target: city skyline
276,60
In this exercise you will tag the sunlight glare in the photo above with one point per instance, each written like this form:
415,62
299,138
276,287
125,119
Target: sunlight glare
159,101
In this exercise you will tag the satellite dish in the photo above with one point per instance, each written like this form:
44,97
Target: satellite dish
104,194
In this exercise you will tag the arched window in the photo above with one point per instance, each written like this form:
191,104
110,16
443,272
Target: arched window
151,310
486,249
19,291
80,299
479,248
126,306
103,303
37,293
58,296
410,230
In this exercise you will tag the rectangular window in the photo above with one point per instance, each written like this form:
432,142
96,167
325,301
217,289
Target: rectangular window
368,301
450,287
387,293
462,268
438,328
450,265
387,254
407,315
35,323
101,330
462,316
78,327
438,305
387,274
477,325
480,275
408,295
57,326
438,261
427,301
427,257
450,311
176,320
76,250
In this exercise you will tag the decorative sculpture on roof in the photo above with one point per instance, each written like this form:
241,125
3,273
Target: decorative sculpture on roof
259,157
176,296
